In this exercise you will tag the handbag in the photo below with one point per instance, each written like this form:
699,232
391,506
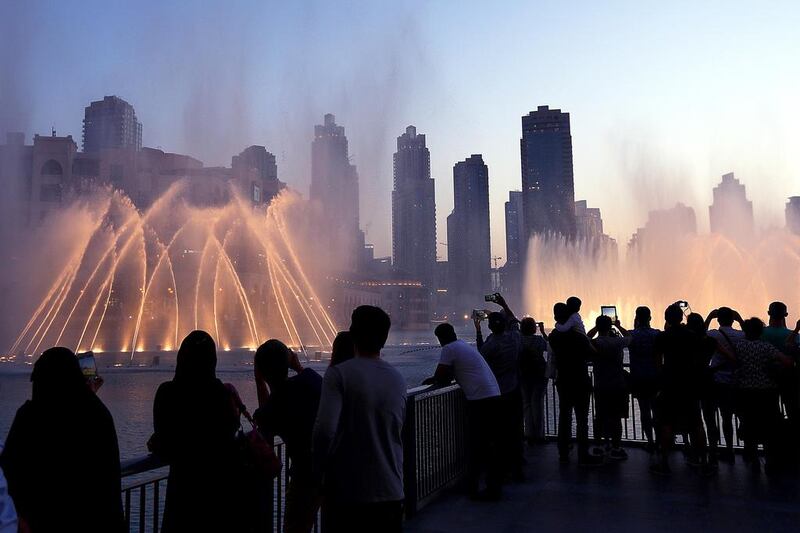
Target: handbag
257,456
256,453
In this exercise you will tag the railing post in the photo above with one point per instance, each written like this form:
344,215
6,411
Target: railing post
410,457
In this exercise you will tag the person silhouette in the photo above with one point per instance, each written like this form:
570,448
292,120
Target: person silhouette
74,484
195,419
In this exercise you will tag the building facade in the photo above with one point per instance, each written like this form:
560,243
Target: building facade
731,213
548,191
414,210
334,187
793,214
588,221
111,123
468,238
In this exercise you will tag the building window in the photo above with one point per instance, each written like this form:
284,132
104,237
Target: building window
52,168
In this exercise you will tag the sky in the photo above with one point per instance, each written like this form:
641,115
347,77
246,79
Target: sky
664,98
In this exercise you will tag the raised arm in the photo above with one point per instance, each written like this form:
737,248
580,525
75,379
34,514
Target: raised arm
711,316
509,313
478,333
623,331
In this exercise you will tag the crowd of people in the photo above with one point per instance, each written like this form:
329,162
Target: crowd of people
343,431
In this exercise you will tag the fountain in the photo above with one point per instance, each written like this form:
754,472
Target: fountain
131,281
707,270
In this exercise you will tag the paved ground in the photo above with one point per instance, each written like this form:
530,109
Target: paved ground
622,497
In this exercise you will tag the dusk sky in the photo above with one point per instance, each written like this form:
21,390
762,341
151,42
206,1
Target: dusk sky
663,98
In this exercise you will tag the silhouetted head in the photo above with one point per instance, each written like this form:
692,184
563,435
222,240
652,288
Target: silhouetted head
603,324
778,310
343,348
753,328
445,333
561,312
197,358
370,328
272,361
725,316
642,317
574,304
673,315
527,326
497,322
696,323
57,377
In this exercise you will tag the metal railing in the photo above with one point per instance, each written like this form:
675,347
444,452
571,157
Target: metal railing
632,431
434,447
434,443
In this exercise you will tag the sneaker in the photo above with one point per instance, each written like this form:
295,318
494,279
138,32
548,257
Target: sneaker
617,454
694,460
660,469
598,451
590,460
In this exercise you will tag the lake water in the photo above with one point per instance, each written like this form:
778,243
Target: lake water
128,392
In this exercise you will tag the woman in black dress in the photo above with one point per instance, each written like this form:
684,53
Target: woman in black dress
61,456
195,421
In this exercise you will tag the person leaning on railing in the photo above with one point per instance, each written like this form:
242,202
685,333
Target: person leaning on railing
462,362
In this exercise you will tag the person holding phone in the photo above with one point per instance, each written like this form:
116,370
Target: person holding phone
61,453
501,351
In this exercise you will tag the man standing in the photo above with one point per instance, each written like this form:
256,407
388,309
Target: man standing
785,340
357,443
610,387
572,350
288,409
463,362
723,381
501,351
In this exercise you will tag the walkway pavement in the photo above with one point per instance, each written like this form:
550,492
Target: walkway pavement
622,497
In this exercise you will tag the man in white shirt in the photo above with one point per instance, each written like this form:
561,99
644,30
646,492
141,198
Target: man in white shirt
466,365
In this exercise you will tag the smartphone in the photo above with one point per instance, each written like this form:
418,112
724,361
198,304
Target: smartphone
479,314
88,364
491,297
540,325
684,305
609,311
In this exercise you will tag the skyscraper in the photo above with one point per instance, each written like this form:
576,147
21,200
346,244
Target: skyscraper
588,221
731,213
548,192
793,214
514,227
468,246
334,185
414,209
111,123
258,158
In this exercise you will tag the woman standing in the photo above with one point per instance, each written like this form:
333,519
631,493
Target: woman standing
195,421
61,456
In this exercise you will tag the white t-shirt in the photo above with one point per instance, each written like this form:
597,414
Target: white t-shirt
471,371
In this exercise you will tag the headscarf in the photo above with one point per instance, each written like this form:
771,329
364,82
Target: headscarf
57,378
197,359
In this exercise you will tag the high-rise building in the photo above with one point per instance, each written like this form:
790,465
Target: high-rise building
258,158
588,221
468,245
731,213
664,225
414,210
793,214
514,227
334,185
111,123
548,192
